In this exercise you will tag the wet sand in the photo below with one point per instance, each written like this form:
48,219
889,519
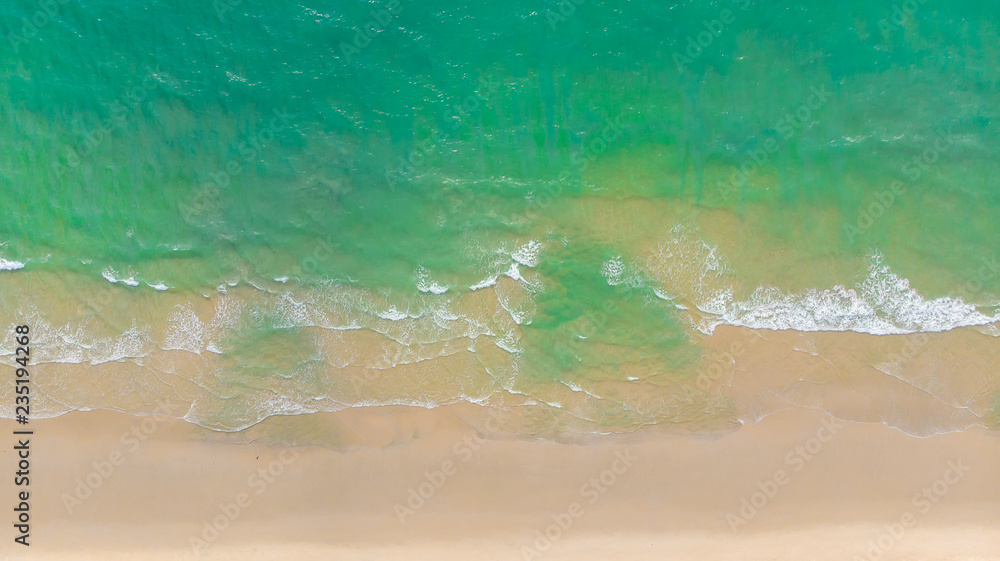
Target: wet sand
335,494
826,466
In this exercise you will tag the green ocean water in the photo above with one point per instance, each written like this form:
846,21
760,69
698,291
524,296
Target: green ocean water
393,150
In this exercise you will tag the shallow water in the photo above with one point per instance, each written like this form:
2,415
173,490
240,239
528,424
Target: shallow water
500,203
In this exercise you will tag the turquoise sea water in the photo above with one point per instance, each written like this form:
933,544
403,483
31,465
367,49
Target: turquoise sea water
571,193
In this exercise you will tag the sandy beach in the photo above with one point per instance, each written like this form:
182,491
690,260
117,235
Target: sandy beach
823,456
424,484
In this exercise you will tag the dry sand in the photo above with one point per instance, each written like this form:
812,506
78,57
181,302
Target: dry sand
335,497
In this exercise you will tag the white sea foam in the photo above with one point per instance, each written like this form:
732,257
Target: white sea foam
112,277
6,265
133,344
185,331
425,284
528,254
503,261
393,314
514,272
613,270
883,303
485,283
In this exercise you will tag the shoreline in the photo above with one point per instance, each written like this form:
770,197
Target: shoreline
922,384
